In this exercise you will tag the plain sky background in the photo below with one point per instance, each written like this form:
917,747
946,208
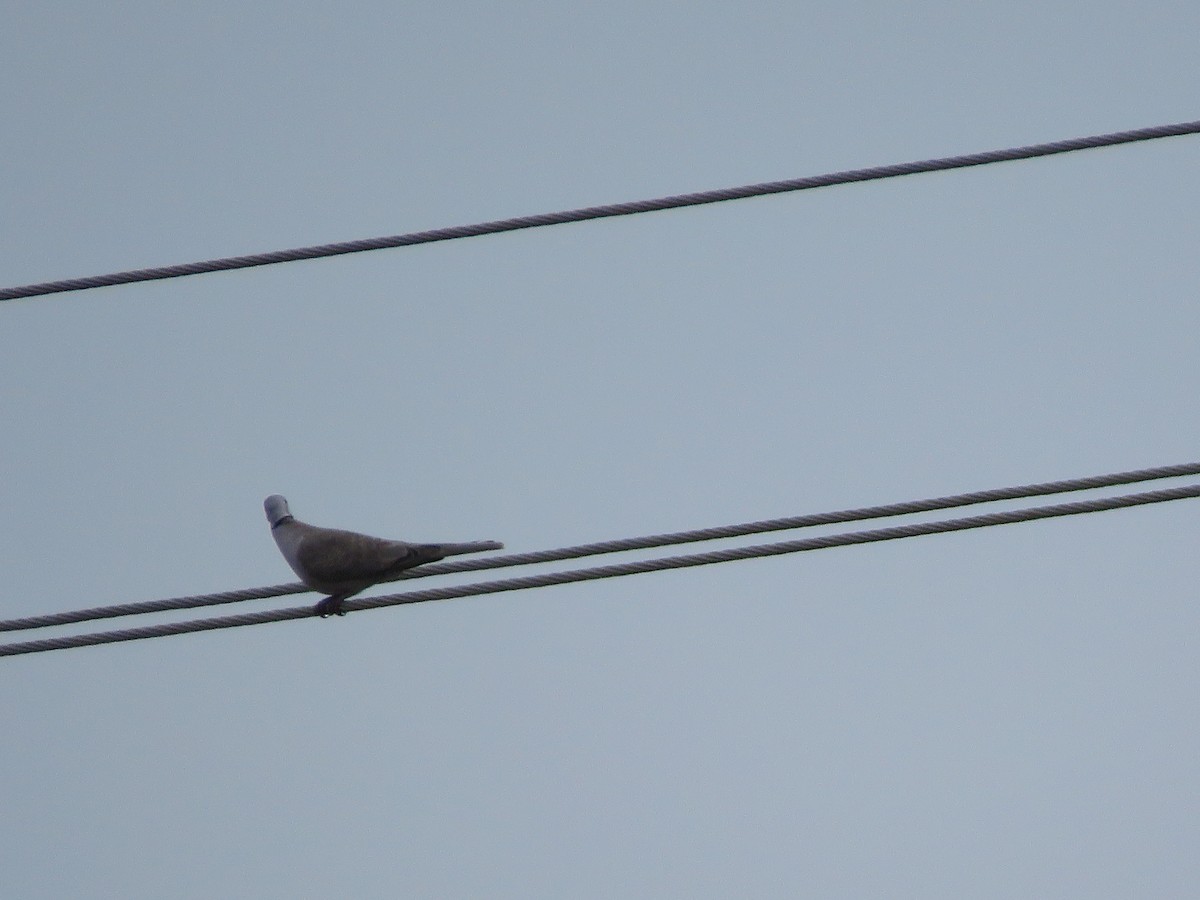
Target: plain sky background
1003,713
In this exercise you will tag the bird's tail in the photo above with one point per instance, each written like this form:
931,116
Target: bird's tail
444,550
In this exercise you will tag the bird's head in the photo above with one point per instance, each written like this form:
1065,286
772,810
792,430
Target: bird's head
277,509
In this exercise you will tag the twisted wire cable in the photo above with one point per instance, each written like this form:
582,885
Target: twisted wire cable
600,212
624,544
614,571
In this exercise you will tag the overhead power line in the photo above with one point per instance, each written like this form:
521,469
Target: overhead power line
615,571
601,212
625,544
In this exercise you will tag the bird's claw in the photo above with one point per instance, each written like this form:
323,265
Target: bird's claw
330,606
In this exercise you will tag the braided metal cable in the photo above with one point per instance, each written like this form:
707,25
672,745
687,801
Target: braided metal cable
149,606
601,212
615,571
635,543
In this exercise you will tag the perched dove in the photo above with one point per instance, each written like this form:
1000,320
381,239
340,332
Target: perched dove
342,563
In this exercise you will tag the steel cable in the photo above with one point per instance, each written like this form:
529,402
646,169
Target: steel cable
624,544
600,212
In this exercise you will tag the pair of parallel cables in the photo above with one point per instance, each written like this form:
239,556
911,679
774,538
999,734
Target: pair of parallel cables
626,568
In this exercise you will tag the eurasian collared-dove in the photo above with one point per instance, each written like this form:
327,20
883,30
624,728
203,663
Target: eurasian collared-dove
342,563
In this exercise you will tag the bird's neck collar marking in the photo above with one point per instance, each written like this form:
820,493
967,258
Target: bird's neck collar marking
281,521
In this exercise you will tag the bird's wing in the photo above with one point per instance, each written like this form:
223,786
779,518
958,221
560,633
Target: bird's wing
333,556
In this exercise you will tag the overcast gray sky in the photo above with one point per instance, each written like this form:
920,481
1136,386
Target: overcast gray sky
1001,713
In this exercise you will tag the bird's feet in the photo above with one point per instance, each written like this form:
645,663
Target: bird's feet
330,606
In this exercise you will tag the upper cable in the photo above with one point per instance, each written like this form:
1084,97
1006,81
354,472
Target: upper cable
601,212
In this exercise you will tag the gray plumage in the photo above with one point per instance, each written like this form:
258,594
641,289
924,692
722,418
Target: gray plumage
342,563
